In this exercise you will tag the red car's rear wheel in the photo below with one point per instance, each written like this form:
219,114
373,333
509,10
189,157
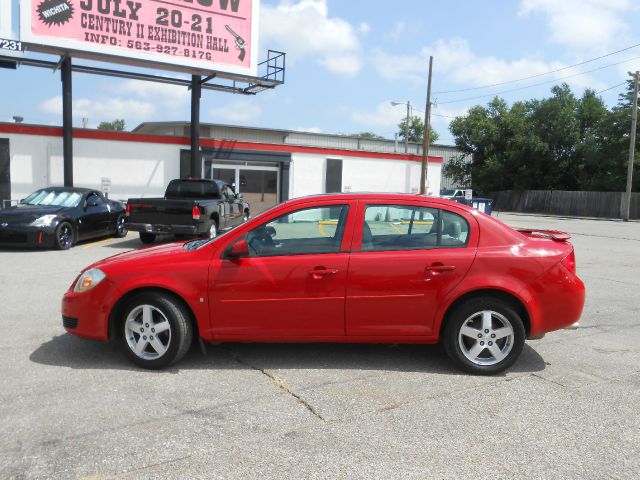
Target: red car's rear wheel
484,335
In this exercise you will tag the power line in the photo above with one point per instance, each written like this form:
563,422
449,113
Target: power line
537,84
539,74
610,88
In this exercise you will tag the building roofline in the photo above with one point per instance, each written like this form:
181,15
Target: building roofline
89,134
183,123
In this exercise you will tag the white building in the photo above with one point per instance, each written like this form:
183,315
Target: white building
266,165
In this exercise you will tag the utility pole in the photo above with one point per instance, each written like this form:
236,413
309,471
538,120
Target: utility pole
427,134
632,148
406,128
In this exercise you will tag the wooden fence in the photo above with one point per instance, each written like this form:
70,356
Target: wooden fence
559,202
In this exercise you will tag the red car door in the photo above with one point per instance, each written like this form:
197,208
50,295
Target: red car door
293,282
405,258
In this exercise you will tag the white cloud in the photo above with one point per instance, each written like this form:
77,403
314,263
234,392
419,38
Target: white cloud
238,111
455,61
593,24
101,109
166,93
305,29
384,115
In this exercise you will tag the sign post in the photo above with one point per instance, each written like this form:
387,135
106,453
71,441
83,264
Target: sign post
10,44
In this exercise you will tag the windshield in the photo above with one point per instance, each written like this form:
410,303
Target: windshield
54,198
447,191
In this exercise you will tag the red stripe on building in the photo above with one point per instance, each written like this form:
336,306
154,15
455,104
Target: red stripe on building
106,135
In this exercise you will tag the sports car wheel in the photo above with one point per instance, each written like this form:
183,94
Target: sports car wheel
147,237
484,336
64,236
156,330
121,229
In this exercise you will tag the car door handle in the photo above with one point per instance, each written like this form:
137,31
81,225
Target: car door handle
440,268
318,273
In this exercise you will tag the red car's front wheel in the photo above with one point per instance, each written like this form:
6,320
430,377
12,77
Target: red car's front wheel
156,330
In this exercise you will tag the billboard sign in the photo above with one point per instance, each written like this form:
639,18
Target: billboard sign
189,35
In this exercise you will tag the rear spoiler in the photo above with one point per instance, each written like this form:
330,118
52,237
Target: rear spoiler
550,234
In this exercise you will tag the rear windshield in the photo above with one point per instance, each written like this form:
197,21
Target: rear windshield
192,189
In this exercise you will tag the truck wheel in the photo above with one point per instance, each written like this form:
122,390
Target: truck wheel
147,237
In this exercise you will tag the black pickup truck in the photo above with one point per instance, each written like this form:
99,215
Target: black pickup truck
189,207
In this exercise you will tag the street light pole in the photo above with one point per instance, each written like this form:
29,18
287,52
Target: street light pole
406,123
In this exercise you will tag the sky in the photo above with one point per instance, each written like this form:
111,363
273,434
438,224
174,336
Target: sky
348,60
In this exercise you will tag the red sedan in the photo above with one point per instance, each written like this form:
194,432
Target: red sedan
378,268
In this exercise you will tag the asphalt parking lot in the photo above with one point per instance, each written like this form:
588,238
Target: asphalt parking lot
569,408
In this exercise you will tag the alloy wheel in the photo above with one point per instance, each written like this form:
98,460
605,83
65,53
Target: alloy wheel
148,332
486,338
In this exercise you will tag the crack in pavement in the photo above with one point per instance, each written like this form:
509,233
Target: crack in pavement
280,383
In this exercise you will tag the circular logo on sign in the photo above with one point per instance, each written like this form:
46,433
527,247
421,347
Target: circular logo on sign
55,12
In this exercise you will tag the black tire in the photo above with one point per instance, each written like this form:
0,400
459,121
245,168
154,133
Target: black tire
121,229
137,329
147,237
480,348
64,236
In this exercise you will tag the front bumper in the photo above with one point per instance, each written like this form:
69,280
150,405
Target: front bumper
86,314
21,236
170,229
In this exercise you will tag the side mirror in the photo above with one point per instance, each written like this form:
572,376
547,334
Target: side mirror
239,249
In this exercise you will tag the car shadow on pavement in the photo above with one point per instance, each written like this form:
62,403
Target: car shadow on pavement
69,351
130,243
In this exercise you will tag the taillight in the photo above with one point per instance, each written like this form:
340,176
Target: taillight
128,210
195,212
569,262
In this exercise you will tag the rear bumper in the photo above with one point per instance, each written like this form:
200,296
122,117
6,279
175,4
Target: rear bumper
162,228
556,301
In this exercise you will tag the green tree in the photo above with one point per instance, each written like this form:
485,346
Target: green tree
117,125
416,130
559,142
368,136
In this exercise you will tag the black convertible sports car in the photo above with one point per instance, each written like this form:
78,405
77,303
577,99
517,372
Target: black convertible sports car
59,217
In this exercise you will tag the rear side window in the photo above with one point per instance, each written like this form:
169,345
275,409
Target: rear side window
455,230
406,227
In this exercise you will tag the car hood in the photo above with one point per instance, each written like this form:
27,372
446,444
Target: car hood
27,213
150,257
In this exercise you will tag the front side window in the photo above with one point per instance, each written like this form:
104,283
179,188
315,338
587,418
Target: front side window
307,231
406,227
94,199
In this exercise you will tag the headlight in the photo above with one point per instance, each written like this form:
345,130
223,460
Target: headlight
89,279
43,221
